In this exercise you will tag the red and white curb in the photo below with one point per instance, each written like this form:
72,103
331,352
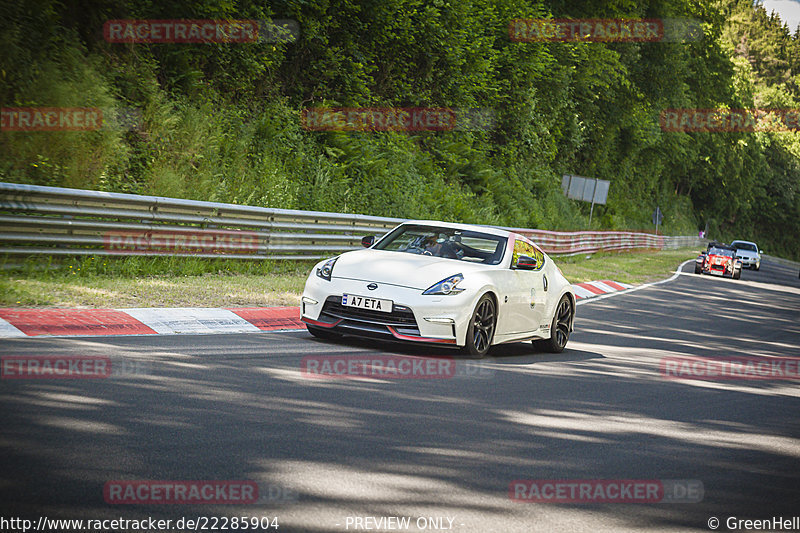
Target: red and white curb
146,321
15,322
590,289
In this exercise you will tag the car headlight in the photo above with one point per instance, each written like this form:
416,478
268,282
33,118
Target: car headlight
446,286
326,269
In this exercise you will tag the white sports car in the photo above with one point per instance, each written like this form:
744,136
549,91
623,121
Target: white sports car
749,253
445,284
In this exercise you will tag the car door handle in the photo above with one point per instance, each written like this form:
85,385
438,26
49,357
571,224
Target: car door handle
544,282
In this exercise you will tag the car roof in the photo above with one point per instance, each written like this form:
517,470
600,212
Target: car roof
744,242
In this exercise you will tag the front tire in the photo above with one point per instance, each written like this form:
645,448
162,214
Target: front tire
480,331
698,269
559,329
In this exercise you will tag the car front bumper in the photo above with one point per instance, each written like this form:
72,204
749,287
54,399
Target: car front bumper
720,270
440,320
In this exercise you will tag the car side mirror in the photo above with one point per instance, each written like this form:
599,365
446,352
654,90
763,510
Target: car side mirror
526,262
761,251
368,241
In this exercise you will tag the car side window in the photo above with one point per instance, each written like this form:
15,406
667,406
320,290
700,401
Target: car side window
525,248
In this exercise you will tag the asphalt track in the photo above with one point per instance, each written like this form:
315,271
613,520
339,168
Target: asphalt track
238,407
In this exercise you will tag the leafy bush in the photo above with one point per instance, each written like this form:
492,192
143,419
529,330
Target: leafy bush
222,121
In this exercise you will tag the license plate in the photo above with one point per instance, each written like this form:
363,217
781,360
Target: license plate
362,302
716,272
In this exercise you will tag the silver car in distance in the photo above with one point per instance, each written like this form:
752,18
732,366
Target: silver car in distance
748,253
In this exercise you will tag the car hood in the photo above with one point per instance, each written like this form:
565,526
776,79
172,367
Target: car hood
400,268
749,254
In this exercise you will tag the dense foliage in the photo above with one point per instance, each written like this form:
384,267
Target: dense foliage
222,121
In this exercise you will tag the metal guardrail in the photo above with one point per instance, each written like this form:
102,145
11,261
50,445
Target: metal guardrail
577,242
59,221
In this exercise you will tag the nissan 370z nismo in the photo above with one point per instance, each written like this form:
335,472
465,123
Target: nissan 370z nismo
445,284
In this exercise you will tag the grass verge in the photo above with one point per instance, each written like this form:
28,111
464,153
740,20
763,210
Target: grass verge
629,267
100,282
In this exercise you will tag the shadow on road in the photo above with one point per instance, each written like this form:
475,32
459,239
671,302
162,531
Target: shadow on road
234,407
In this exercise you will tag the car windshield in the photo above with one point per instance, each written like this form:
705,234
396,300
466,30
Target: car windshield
721,251
745,246
449,243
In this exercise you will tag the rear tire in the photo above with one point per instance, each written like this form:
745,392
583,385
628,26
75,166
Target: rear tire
480,331
322,333
559,328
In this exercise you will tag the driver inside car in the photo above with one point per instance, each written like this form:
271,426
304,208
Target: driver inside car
441,247
432,245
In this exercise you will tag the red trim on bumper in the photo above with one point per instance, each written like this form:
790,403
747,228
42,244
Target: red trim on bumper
320,324
419,339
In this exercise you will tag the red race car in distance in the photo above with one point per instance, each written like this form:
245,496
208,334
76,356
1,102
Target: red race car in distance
719,260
